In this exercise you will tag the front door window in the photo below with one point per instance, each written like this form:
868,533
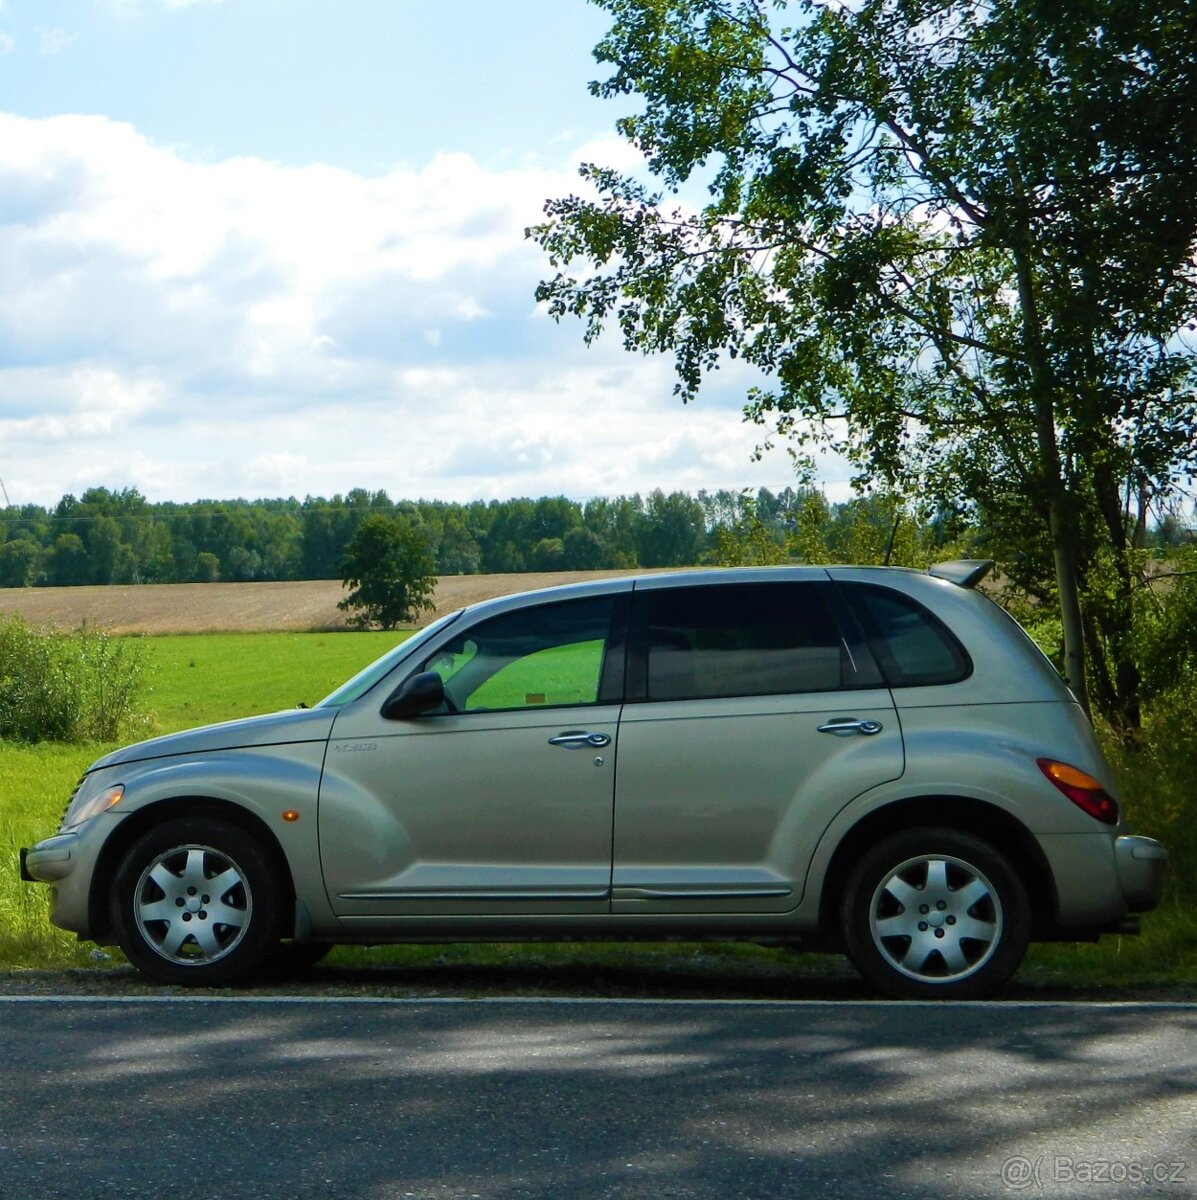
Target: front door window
548,657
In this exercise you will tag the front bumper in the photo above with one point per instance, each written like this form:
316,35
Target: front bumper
1141,863
50,860
67,862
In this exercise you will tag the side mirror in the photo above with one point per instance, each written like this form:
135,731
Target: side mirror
417,695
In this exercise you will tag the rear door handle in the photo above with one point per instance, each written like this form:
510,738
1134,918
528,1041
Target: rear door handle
845,725
579,739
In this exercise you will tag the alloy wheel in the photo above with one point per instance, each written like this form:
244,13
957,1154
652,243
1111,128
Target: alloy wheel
935,918
192,904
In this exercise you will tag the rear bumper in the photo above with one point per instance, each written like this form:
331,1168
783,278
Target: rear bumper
1099,878
1141,862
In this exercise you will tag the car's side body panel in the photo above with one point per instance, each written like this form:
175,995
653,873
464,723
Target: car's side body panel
467,813
720,803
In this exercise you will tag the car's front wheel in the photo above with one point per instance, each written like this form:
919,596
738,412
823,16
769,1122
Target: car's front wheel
935,914
196,902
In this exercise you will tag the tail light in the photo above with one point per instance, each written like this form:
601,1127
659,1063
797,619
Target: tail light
1082,789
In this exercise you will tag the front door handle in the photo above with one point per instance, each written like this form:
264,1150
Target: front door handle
579,739
844,725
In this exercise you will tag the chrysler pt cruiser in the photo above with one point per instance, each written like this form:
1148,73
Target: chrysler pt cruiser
872,760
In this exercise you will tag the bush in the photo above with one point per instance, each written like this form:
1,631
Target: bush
1157,771
72,687
1157,763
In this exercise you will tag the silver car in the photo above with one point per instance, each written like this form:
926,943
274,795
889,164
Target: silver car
864,759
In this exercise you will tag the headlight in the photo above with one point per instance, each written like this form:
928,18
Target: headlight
85,806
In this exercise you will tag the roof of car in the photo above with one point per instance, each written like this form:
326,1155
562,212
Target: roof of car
963,572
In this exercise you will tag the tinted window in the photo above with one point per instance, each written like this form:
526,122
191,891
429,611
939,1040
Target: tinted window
912,645
547,656
743,640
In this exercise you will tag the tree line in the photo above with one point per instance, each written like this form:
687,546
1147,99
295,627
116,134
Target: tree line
120,537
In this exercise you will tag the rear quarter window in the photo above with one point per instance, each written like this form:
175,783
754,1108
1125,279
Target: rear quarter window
913,647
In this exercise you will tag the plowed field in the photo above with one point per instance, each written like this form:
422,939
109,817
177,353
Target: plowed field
242,607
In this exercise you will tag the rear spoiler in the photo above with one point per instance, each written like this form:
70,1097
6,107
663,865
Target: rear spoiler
967,572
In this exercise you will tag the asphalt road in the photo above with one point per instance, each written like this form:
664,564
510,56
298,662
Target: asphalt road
332,1098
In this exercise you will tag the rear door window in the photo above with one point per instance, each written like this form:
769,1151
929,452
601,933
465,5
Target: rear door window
746,640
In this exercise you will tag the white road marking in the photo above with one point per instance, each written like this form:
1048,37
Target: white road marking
595,1001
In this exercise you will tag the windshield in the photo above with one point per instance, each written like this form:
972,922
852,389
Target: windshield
365,679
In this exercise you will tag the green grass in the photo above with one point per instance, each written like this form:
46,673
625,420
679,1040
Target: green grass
35,782
1164,955
198,679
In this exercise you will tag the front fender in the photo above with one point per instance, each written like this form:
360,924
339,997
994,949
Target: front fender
266,781
260,783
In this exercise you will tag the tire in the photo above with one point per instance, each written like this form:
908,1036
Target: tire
196,902
935,914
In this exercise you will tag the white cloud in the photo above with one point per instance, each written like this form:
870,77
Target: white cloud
55,41
247,328
7,42
51,406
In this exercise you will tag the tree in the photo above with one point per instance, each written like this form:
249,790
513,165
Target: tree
673,531
107,556
68,561
616,523
957,239
547,555
207,567
583,550
390,569
20,560
458,553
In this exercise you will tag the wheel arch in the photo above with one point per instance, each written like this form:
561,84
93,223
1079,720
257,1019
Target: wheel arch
158,813
1003,831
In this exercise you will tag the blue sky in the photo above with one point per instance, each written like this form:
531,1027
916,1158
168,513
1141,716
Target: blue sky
274,247
366,85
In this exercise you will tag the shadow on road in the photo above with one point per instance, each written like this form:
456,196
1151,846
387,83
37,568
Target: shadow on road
581,1102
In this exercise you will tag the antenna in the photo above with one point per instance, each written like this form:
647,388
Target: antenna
7,501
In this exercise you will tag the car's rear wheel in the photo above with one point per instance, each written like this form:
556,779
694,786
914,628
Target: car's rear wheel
195,902
935,914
